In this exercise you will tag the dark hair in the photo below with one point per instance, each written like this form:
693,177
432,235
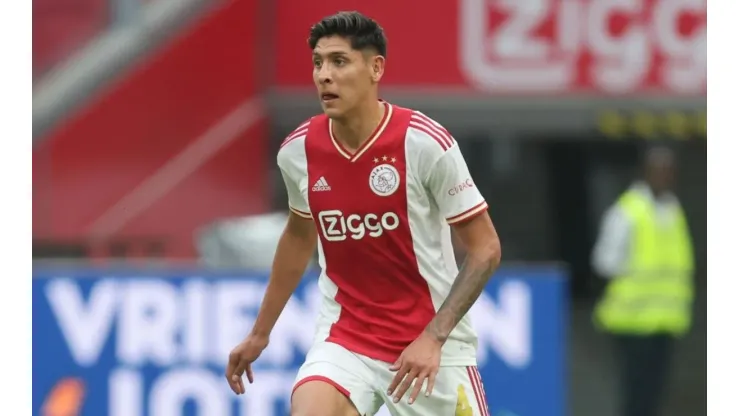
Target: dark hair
361,31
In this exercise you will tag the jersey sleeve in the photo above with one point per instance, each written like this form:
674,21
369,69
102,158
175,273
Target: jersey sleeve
450,184
296,202
291,160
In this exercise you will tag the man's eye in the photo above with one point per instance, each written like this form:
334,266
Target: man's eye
339,62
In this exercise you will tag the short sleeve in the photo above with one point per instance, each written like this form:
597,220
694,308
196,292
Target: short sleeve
296,202
291,159
450,184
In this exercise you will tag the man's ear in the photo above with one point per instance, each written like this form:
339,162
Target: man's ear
377,67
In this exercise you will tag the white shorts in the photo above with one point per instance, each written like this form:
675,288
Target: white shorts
457,391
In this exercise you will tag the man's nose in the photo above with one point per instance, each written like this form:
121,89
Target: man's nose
325,75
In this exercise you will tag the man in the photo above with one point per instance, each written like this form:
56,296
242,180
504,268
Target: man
645,251
382,184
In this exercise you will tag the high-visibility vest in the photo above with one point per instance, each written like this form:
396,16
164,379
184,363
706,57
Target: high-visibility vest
656,293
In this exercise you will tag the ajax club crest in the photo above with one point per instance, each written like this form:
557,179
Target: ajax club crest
384,180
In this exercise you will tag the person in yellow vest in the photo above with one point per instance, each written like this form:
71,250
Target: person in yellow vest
644,250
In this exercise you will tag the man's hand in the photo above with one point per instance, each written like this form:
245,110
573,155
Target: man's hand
420,362
241,359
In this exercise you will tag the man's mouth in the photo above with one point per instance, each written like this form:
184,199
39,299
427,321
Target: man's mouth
328,96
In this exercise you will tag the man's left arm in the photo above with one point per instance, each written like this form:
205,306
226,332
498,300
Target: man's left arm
453,191
465,209
483,249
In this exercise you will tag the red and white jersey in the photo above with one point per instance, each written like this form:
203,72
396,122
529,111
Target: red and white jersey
383,216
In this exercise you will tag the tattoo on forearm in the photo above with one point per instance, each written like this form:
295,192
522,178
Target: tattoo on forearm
465,290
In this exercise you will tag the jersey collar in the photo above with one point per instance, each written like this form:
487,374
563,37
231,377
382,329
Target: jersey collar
373,137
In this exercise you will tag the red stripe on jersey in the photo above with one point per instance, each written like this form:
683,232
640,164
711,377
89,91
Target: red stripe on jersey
477,390
293,136
302,126
478,209
421,118
423,129
299,131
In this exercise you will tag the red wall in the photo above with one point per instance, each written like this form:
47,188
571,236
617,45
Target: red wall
62,26
150,115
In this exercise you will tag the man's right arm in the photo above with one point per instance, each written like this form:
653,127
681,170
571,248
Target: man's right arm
296,245
612,246
295,249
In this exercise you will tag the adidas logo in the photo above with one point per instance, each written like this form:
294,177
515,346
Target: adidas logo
321,185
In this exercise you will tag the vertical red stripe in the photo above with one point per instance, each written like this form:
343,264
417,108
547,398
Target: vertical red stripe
482,390
477,391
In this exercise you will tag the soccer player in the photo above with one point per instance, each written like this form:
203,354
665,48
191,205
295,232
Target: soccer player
379,187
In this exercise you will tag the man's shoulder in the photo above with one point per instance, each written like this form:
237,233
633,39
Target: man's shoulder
415,114
299,133
427,137
293,146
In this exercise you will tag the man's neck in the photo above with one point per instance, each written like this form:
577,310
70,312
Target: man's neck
355,129
659,194
655,194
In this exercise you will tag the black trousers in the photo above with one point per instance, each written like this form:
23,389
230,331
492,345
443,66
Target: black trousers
643,365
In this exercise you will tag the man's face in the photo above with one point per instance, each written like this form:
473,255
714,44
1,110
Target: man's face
343,76
661,175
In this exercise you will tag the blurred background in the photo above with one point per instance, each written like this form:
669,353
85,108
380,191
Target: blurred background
156,124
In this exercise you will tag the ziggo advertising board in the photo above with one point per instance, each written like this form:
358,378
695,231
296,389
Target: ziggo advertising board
520,47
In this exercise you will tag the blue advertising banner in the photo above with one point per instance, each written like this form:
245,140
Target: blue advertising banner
155,341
